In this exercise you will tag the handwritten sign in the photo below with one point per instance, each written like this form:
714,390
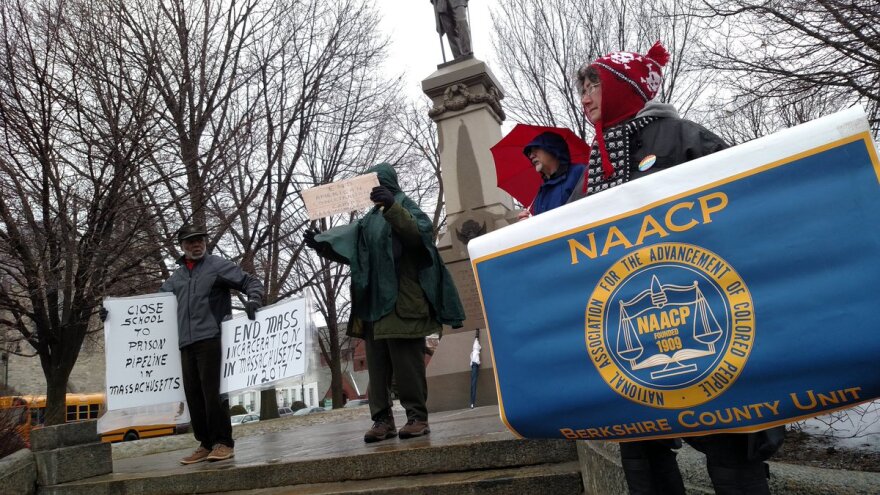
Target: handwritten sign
260,352
142,358
340,197
171,413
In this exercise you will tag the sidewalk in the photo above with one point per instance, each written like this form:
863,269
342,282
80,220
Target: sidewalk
320,436
140,448
467,451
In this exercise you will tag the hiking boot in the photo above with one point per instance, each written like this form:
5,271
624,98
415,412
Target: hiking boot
199,455
414,428
221,453
381,430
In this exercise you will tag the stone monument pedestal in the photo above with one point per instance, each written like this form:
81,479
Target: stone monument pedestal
468,114
70,452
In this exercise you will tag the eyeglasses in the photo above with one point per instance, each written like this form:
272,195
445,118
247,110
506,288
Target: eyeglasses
589,89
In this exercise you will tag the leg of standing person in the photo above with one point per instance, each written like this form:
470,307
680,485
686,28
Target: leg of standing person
732,466
195,401
217,411
650,467
475,373
408,358
380,371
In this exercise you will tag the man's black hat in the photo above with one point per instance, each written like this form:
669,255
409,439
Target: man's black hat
188,231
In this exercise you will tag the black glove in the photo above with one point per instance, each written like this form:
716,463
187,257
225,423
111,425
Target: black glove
102,313
382,196
309,239
251,308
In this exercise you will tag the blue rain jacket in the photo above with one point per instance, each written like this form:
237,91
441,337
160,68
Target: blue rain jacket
558,188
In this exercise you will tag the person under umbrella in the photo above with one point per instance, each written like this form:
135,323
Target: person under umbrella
551,158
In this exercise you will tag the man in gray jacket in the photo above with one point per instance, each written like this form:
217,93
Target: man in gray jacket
202,283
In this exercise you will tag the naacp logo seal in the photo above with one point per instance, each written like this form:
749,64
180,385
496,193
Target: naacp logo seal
670,326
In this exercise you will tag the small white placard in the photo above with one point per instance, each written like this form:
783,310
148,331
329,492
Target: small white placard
340,197
142,357
270,348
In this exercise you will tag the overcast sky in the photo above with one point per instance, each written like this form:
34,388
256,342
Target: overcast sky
415,45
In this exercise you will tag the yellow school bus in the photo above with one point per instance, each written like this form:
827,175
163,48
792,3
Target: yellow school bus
29,412
15,412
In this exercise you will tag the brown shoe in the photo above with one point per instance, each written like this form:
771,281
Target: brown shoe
414,428
221,453
199,455
381,430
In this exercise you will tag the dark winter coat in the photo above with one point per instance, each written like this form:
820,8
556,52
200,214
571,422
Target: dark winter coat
558,188
671,139
203,297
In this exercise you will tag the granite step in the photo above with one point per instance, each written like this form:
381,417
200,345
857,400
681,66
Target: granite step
466,443
558,479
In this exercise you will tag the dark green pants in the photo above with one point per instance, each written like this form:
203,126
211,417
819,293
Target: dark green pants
404,361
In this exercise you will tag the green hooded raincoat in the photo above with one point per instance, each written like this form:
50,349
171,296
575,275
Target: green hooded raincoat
405,296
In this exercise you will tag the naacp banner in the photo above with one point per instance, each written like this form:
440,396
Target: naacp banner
731,293
257,353
142,361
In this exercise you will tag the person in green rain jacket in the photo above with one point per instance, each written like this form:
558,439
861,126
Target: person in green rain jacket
401,292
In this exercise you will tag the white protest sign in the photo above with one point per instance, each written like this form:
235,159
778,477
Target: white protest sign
270,348
172,413
340,197
142,358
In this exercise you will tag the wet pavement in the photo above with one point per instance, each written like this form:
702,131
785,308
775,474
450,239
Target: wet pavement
467,450
328,435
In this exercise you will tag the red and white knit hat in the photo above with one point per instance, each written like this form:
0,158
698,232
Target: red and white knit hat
628,81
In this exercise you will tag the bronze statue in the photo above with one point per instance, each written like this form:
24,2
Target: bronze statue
452,20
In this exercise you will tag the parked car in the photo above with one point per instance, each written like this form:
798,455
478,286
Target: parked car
284,411
240,419
357,403
309,410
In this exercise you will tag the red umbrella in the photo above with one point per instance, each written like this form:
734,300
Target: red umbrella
514,170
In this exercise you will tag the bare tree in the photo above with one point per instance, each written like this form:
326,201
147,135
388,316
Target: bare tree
799,50
331,300
542,43
741,119
356,132
75,124
197,54
316,111
418,166
122,119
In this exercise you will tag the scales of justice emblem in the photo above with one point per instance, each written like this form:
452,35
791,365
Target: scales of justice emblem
660,308
661,322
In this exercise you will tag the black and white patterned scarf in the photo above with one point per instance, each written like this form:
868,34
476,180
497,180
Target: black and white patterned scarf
617,143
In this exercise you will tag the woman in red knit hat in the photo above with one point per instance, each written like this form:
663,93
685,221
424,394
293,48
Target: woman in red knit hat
636,136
